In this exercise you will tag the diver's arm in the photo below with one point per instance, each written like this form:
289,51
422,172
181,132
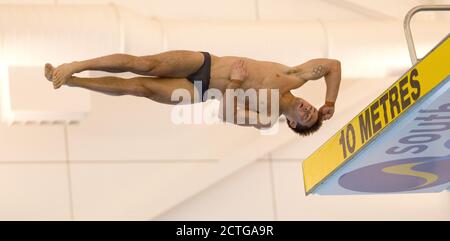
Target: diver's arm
315,69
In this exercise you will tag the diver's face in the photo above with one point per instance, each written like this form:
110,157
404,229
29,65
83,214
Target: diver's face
303,113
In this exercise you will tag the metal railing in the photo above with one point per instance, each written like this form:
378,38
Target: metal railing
407,26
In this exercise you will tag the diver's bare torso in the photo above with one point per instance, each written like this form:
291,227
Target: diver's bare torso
261,75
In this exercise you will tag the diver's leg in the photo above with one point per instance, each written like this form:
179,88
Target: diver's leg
171,64
157,89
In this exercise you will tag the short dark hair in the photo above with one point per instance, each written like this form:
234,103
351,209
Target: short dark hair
304,130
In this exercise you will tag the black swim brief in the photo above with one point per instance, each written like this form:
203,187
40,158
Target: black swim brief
202,75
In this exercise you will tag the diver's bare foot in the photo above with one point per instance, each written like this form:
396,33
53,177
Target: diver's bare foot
49,72
62,74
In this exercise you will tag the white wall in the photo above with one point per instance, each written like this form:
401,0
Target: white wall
246,195
273,190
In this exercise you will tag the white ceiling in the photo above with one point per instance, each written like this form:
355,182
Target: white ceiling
261,9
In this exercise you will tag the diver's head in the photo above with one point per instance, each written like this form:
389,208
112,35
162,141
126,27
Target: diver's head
302,117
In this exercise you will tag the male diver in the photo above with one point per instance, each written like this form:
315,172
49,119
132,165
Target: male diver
161,74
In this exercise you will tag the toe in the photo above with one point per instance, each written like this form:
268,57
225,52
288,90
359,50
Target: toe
58,83
48,71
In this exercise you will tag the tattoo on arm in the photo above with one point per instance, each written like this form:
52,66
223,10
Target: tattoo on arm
318,71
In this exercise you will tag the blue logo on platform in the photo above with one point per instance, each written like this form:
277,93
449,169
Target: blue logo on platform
399,175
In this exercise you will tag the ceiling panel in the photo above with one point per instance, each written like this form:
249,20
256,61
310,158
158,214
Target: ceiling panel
293,10
264,9
185,10
396,9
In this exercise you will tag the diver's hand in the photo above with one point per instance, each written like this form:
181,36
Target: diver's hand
327,111
239,71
